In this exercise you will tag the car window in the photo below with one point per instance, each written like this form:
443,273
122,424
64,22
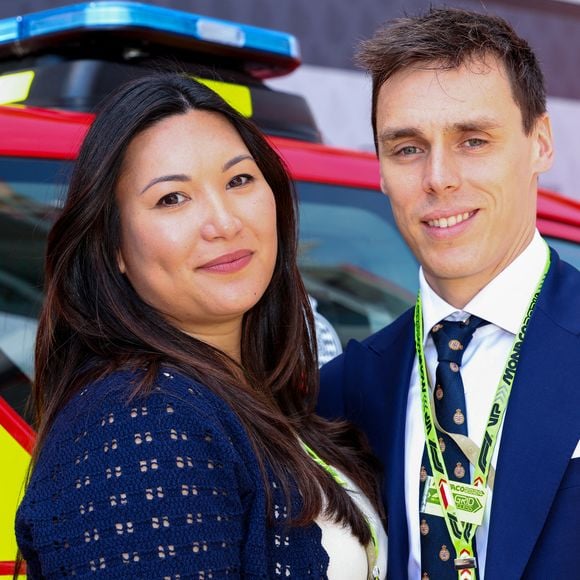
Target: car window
31,192
353,259
30,196
568,251
354,262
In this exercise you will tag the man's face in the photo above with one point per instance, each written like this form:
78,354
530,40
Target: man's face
460,172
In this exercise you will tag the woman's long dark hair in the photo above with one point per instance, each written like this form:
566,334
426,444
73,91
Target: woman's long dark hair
94,322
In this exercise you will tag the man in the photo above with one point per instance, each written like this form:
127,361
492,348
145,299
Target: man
462,135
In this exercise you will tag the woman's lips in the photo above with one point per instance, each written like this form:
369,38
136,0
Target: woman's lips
228,263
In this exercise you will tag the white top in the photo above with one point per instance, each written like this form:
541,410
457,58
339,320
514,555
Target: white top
347,557
503,302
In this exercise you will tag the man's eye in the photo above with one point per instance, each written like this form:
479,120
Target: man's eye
408,150
240,180
475,142
171,199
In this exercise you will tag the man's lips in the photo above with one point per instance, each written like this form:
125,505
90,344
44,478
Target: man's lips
228,262
449,220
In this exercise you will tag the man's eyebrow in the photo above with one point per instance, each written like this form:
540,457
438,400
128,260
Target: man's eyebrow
482,124
398,133
237,159
181,177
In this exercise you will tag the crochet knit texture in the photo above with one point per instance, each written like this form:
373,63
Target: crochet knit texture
166,486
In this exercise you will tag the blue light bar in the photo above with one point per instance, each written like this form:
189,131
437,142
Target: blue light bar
9,29
121,14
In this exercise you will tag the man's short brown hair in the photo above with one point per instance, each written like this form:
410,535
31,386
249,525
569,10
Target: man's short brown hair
446,38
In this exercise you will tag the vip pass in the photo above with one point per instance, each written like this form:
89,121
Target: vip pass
460,504
469,500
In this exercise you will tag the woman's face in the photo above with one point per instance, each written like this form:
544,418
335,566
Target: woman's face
198,224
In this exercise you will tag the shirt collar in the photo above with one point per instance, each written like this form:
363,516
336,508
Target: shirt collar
503,302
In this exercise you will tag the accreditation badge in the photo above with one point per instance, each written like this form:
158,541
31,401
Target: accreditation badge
469,501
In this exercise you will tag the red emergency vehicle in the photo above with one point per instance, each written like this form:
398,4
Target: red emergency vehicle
54,68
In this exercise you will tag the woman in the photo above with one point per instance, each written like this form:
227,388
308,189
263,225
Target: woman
176,371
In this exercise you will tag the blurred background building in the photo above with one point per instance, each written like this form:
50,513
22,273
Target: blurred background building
329,31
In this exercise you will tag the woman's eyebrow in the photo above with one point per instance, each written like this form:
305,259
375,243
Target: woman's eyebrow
181,177
175,177
237,159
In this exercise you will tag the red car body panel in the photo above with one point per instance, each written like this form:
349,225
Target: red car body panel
16,426
28,132
52,134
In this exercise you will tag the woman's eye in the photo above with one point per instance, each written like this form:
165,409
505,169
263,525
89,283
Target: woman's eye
240,180
171,199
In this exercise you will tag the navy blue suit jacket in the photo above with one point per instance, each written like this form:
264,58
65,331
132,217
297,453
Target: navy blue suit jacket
534,528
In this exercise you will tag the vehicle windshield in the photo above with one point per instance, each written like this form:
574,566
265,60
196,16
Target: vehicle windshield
353,258
568,251
31,191
354,262
351,255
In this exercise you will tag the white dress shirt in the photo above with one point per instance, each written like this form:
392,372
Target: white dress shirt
503,303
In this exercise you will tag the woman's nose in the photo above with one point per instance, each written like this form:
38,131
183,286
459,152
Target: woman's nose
221,219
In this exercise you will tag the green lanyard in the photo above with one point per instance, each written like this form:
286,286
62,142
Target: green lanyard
462,533
343,483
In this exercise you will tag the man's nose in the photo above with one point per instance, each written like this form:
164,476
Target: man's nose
441,173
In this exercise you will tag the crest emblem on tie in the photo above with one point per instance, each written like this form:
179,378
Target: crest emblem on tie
442,444
444,553
454,344
459,471
423,475
424,527
425,576
437,327
454,367
458,417
438,393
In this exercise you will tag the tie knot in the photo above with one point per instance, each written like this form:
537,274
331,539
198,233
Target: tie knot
452,337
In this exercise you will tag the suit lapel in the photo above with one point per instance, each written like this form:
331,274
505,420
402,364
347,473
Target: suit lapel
541,426
394,365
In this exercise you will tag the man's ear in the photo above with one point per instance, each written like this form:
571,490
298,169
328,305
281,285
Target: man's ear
544,144
383,186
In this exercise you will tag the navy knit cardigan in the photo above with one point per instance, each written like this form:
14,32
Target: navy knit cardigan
166,487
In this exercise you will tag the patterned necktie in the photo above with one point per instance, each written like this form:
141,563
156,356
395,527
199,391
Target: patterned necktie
451,339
